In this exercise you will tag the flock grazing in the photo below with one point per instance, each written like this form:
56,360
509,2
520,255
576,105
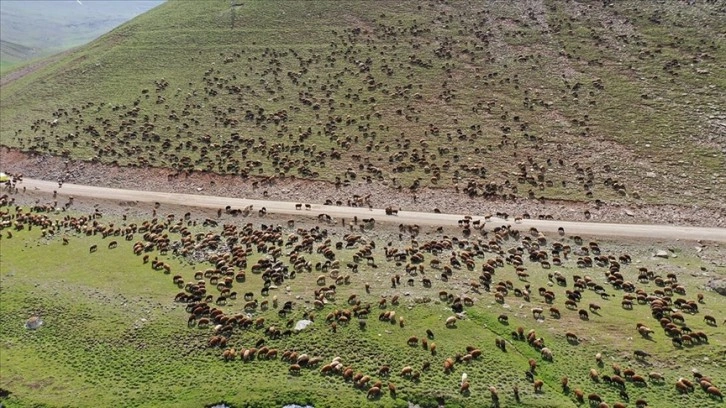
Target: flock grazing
367,107
459,272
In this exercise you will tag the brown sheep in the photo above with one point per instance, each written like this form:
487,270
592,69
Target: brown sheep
495,395
448,366
451,321
373,392
412,341
639,380
538,386
392,389
594,376
406,371
714,392
464,389
617,380
684,386
655,376
594,398
580,396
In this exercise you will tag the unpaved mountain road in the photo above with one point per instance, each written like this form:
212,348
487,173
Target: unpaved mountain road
594,229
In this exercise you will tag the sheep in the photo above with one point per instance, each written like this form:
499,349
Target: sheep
638,380
392,389
448,365
714,392
594,398
580,396
373,392
451,321
656,377
640,354
495,395
464,389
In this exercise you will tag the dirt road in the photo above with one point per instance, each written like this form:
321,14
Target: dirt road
665,232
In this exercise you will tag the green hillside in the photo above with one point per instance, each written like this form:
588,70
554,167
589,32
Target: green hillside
579,100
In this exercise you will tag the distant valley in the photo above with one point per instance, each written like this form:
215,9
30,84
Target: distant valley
33,29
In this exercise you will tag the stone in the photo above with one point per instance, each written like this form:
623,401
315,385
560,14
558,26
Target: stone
718,285
662,254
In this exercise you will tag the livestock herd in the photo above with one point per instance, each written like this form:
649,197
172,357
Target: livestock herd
239,291
359,110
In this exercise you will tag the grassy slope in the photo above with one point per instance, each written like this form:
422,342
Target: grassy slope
112,335
575,82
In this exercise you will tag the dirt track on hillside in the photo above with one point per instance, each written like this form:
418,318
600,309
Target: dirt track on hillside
29,69
46,167
403,217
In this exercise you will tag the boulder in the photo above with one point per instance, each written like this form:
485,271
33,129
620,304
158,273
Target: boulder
33,323
718,285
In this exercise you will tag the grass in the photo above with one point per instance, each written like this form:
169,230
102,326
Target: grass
582,84
113,335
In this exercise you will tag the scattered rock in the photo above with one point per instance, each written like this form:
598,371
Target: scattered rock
718,286
33,323
662,254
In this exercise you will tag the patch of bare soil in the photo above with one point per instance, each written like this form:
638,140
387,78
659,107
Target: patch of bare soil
380,196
